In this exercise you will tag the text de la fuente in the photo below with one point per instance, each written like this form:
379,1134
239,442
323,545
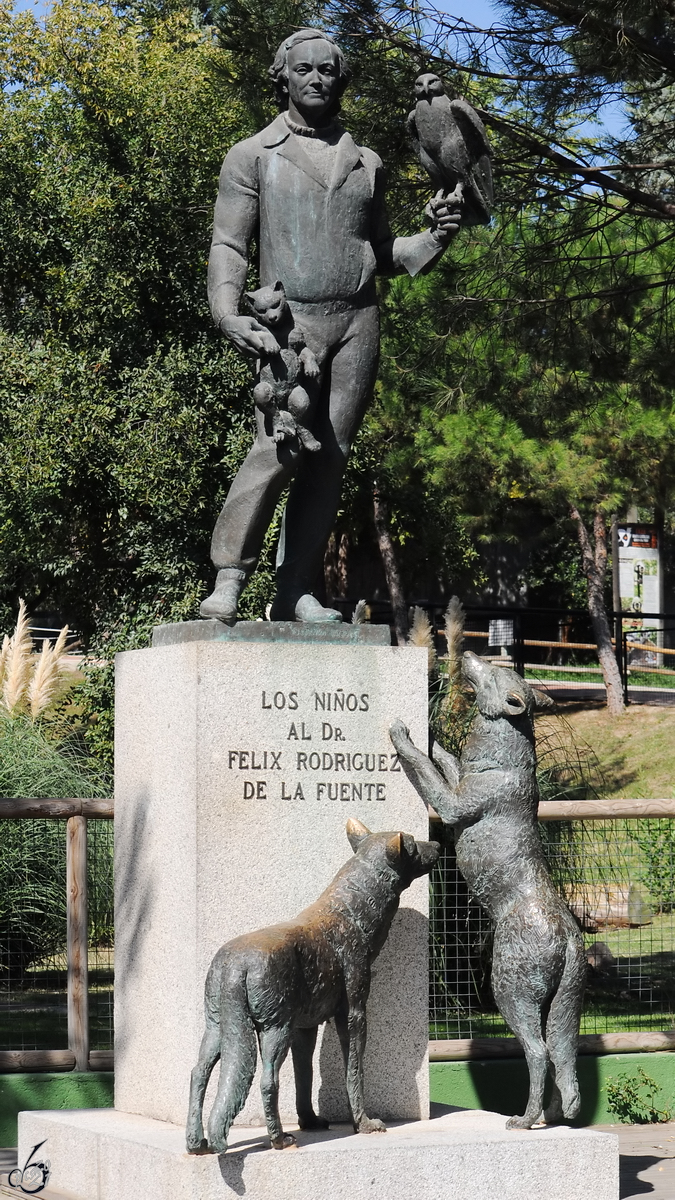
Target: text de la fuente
309,745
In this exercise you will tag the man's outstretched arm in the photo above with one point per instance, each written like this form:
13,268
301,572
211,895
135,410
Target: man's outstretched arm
420,252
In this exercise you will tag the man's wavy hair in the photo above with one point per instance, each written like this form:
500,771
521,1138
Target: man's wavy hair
279,69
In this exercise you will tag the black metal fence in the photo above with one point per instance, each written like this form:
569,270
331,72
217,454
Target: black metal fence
556,647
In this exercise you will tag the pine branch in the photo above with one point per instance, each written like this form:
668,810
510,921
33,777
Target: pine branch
661,51
589,174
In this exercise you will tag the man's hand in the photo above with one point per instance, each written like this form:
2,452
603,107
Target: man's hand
445,213
249,336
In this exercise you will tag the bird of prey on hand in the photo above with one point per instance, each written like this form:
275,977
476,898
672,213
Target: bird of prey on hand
450,142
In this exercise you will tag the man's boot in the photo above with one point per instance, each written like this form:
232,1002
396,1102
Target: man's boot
221,605
306,609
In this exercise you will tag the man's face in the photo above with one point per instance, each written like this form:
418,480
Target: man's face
313,80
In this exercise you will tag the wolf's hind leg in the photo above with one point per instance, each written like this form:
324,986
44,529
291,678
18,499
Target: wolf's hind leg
562,1035
274,1046
302,1049
238,1058
209,1053
522,1014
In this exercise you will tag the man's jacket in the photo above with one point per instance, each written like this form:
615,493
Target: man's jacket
325,242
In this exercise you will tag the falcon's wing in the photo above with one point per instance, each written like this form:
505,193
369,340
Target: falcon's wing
479,194
473,129
411,126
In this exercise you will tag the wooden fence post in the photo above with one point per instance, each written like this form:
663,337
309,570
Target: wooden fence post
78,967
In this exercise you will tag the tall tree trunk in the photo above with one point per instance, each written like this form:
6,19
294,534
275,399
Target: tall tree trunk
390,564
335,567
594,567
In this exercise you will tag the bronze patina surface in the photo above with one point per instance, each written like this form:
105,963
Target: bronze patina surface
315,201
273,989
490,799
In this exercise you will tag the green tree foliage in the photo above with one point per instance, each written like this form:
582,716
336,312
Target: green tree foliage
656,839
122,415
526,378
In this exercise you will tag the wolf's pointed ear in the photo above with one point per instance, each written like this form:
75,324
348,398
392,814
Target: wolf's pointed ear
395,847
515,704
542,700
356,832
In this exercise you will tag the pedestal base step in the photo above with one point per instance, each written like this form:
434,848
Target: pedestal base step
102,1154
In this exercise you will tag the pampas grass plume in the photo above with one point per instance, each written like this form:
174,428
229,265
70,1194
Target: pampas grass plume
4,652
421,634
30,682
18,664
360,614
454,636
44,685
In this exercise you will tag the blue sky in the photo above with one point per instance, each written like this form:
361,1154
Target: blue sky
483,14
479,12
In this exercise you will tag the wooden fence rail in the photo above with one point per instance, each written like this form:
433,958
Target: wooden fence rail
466,1049
597,810
480,633
77,812
16,810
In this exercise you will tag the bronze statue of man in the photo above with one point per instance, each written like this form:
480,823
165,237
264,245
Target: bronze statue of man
315,202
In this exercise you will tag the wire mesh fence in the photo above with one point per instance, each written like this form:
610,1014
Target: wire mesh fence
33,935
618,877
101,934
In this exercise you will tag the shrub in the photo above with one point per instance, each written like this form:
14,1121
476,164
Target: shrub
631,1098
656,839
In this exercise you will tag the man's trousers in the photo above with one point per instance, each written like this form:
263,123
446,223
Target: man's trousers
345,341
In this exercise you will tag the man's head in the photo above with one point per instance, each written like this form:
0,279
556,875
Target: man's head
310,73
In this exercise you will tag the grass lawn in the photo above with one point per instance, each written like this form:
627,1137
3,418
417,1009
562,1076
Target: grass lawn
34,1017
635,752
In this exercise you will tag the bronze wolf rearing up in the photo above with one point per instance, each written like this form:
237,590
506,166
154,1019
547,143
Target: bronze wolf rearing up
490,798
279,984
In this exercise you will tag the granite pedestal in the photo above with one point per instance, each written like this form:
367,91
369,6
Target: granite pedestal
240,754
106,1155
238,762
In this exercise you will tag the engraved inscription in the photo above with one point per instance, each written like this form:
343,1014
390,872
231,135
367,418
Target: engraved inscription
296,766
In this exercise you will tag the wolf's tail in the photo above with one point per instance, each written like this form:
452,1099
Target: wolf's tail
238,1055
562,1028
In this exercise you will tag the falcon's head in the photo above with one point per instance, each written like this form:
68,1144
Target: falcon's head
427,86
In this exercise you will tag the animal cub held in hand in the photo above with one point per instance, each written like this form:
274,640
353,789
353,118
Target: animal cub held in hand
490,798
279,392
273,989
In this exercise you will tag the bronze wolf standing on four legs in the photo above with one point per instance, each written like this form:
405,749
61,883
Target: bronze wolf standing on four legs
490,798
279,984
